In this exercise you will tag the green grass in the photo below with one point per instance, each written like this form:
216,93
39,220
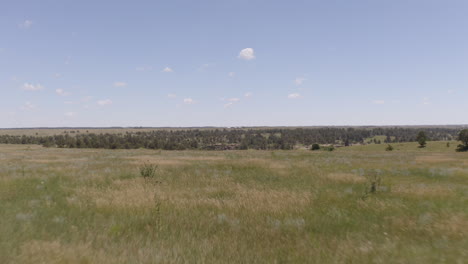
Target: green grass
92,206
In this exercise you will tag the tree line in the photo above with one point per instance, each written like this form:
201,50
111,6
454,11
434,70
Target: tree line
222,139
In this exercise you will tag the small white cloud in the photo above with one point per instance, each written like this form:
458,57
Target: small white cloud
57,75
32,87
248,95
28,106
167,69
188,101
104,102
120,84
247,54
70,114
68,102
60,92
228,105
380,102
299,81
294,96
426,101
233,100
172,95
450,91
26,24
231,74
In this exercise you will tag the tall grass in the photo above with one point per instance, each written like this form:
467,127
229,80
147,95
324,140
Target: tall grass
96,206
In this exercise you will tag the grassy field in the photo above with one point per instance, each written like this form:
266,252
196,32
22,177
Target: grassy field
92,206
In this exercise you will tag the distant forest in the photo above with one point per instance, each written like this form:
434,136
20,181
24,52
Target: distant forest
225,139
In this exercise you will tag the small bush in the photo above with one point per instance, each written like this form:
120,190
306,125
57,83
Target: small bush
148,171
315,147
461,148
389,148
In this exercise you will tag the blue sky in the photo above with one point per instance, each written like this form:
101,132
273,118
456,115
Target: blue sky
233,63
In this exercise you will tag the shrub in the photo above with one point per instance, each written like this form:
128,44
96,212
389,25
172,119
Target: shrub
315,147
148,171
389,148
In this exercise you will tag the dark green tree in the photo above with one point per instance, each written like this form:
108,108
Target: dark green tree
421,138
315,146
463,137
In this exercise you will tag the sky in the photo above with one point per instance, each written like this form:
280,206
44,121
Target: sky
233,63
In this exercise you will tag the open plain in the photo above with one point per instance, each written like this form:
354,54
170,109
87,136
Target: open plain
359,204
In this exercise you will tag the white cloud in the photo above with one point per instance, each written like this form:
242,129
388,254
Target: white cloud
60,92
167,69
450,91
299,81
426,101
378,102
228,105
70,114
172,95
32,87
28,106
232,74
294,96
233,100
188,101
120,84
26,24
248,95
104,102
247,54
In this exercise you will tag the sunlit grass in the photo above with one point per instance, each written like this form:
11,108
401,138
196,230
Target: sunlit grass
93,206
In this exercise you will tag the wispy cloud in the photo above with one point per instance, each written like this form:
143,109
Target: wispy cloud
231,74
426,101
120,84
228,105
171,95
205,66
299,81
188,101
379,102
28,106
167,69
294,96
61,92
32,87
248,94
70,114
235,99
104,102
247,54
26,24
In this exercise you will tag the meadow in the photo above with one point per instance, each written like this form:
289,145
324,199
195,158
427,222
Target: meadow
358,204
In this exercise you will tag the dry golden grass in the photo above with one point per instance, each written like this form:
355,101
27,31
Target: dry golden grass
346,178
92,206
